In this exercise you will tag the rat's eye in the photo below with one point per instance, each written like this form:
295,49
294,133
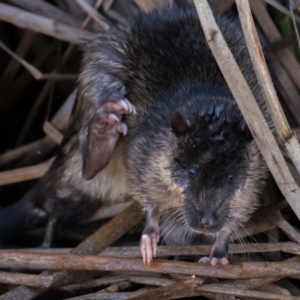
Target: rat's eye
193,171
230,176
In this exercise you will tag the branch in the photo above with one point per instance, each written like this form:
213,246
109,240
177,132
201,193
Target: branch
44,25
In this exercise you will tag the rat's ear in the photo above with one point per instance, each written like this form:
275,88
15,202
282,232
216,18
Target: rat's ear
179,124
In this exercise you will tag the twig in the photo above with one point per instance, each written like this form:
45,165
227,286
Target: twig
107,4
94,244
220,289
282,9
286,137
38,261
21,51
282,43
47,10
24,174
35,72
36,281
112,296
272,33
60,121
62,116
88,9
248,106
294,22
134,252
50,27
52,132
148,5
289,230
17,153
184,288
111,231
94,283
115,288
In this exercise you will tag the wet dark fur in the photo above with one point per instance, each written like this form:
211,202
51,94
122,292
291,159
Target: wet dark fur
162,65
179,74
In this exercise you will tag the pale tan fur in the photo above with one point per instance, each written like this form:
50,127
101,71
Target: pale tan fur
107,186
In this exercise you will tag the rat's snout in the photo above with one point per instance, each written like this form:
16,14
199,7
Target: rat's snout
207,219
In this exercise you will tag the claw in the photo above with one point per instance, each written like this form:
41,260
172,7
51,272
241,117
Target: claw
148,247
113,117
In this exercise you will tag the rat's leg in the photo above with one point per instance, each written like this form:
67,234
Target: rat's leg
219,252
103,133
150,236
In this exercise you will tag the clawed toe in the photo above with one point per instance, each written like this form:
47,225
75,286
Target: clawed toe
149,247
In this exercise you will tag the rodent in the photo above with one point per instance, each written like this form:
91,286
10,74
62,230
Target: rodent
155,119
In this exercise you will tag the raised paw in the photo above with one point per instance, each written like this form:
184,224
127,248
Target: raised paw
104,131
148,246
214,261
110,113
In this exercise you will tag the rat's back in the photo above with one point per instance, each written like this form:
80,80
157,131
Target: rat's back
167,51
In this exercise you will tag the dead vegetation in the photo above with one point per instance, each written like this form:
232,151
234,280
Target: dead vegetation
39,63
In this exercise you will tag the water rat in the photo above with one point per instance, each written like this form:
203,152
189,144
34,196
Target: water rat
155,119
190,158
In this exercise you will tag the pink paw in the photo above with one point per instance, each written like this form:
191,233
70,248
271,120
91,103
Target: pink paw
110,112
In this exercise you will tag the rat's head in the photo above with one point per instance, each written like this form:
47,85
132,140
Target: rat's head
217,164
194,157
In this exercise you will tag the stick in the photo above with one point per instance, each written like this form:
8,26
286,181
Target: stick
134,252
44,261
38,75
282,9
183,288
93,13
44,25
94,244
24,174
272,33
248,106
17,153
22,49
286,137
36,281
111,231
47,10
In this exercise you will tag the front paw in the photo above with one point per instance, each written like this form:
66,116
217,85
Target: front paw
148,245
214,261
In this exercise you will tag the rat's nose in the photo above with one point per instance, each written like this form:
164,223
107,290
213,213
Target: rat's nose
207,220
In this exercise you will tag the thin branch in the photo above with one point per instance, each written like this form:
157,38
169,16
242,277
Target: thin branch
45,9
44,25
282,9
52,132
35,72
26,279
46,261
24,174
285,56
93,13
286,137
